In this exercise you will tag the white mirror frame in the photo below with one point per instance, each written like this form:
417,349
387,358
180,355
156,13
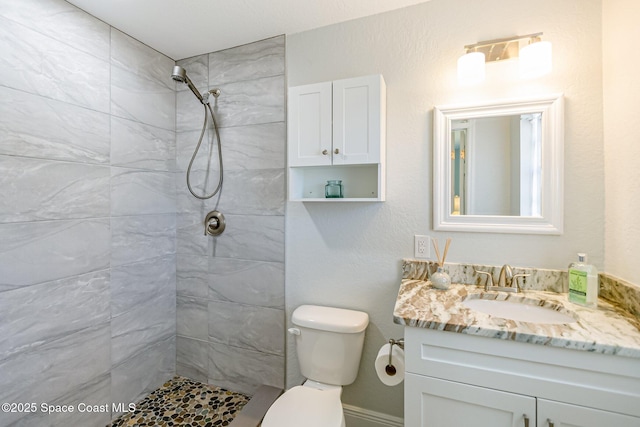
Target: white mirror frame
551,221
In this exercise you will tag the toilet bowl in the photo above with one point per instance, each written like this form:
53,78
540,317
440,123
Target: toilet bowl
307,405
329,345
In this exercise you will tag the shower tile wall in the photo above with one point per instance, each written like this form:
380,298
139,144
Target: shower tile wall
87,213
231,288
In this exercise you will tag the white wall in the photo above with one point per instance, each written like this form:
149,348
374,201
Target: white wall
349,255
621,141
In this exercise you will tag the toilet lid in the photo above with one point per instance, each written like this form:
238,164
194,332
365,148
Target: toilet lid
305,406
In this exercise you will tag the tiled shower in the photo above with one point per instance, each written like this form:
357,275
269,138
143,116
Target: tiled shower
231,288
105,275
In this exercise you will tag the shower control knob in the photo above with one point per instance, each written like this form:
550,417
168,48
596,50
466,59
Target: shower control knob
325,152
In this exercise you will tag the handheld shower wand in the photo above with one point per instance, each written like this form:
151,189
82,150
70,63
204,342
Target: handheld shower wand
179,74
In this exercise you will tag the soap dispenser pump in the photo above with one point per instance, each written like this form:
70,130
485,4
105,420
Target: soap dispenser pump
583,282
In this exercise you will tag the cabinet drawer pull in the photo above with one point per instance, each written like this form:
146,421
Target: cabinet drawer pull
336,151
325,152
526,420
550,422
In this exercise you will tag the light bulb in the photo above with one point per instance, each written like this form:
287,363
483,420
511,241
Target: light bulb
471,69
535,60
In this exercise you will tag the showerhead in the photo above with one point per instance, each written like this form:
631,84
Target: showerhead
179,74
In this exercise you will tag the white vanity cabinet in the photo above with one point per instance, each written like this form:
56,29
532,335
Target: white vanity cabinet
463,380
336,130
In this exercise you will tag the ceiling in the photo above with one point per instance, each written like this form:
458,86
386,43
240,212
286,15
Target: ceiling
184,28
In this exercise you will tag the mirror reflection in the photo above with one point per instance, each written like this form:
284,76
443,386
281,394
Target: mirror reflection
496,165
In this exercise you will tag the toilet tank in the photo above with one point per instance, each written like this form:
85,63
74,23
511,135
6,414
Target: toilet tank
329,344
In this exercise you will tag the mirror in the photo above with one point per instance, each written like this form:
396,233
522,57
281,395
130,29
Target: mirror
498,167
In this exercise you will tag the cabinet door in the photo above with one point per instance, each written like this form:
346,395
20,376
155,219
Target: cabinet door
309,125
432,402
556,414
359,106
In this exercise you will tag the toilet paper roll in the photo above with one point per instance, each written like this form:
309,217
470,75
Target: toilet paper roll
387,376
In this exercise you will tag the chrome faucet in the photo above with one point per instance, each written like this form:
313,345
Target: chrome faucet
507,281
506,277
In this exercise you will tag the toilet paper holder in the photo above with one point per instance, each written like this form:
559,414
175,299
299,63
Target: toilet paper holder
390,369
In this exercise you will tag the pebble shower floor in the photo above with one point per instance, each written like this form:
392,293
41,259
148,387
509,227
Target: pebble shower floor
184,402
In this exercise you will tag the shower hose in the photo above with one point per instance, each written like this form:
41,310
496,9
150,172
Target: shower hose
204,128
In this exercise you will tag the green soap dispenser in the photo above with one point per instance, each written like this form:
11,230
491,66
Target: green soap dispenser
583,282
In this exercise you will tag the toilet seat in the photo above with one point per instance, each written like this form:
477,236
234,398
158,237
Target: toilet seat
306,406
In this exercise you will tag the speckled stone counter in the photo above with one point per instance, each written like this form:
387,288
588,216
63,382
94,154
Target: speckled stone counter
607,329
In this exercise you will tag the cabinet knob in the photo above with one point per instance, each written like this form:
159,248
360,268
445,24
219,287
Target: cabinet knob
336,151
550,422
325,152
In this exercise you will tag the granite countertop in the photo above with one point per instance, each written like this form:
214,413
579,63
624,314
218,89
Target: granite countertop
606,329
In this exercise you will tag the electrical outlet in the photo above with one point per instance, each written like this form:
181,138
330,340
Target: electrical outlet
421,247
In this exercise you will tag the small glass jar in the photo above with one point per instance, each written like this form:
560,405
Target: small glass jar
440,279
333,189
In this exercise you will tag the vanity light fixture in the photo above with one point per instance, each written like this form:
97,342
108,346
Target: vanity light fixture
535,57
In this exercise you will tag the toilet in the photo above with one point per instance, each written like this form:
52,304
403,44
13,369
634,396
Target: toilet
329,345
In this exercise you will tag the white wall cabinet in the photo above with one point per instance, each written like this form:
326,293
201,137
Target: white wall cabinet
459,380
336,130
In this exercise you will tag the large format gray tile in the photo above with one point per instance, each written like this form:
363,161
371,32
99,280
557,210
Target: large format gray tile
64,73
95,393
136,98
244,370
144,372
251,102
192,358
138,192
255,237
143,237
247,326
254,147
61,21
42,251
190,112
250,147
247,282
254,192
129,54
248,192
207,156
190,234
133,331
33,315
192,318
142,283
140,146
264,58
55,369
63,131
193,275
204,184
197,68
34,189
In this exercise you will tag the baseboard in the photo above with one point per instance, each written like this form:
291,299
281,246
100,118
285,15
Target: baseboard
360,417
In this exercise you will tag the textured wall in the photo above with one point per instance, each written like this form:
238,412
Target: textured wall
231,287
87,212
621,143
349,255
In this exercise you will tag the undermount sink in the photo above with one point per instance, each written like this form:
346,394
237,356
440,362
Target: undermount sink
519,311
